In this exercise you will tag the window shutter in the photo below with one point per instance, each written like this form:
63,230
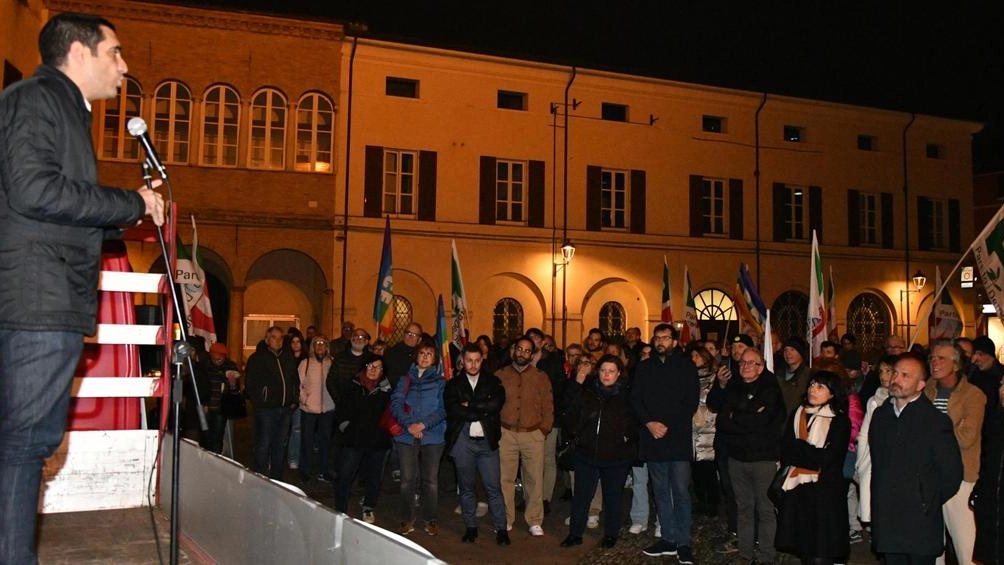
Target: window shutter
780,196
816,212
486,194
535,195
637,202
735,208
853,218
696,217
923,223
427,185
888,239
593,198
373,182
954,229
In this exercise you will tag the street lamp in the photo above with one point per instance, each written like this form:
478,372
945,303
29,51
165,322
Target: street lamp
919,280
567,252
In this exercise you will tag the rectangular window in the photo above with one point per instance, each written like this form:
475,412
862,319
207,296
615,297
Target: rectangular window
713,124
866,142
796,213
400,187
794,134
510,191
255,326
614,112
870,211
714,203
935,151
509,100
613,199
403,87
938,223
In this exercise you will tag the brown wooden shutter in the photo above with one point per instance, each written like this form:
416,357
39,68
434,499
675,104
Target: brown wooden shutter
735,208
696,212
637,202
535,195
954,229
780,198
888,239
486,194
923,223
853,218
593,174
373,182
816,212
427,185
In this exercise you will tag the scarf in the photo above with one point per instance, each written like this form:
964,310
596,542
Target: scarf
812,426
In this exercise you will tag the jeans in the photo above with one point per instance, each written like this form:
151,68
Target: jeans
36,370
750,480
670,484
612,475
316,428
295,439
353,462
420,462
473,458
271,430
639,495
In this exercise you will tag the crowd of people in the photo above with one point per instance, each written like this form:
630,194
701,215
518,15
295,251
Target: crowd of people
801,459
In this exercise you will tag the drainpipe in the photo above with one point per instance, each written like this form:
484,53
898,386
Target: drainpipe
345,211
564,221
906,223
756,181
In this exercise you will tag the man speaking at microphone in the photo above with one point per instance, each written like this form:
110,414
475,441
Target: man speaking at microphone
53,218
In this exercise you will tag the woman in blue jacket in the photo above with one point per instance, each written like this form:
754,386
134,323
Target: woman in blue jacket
417,404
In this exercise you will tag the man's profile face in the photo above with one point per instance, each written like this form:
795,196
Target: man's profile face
102,70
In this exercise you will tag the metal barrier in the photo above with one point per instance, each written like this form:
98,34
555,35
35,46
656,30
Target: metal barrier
233,515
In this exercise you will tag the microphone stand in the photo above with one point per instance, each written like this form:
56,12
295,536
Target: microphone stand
181,354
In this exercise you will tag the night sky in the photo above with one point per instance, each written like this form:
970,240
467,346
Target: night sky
947,61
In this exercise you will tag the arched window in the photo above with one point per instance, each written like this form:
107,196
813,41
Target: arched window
172,121
788,314
401,307
267,149
315,133
869,319
612,321
714,304
507,320
221,111
115,141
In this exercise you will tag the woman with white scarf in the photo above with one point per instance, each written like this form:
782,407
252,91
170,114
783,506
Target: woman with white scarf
812,511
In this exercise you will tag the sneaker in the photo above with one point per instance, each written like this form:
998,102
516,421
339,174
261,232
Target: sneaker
730,546
368,516
536,531
855,536
685,555
658,531
568,521
629,482
325,478
593,522
432,528
405,528
637,529
458,510
294,465
660,548
481,510
396,476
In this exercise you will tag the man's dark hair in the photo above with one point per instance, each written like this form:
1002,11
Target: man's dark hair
62,30
829,343
849,337
535,332
471,347
667,327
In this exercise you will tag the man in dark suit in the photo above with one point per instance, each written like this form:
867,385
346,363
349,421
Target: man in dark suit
473,403
916,467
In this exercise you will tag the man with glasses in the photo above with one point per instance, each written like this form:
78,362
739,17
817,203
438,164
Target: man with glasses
527,417
399,358
665,392
750,419
349,361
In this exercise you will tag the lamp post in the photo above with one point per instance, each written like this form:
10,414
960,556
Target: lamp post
919,280
567,252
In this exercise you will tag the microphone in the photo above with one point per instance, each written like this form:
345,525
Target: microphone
137,129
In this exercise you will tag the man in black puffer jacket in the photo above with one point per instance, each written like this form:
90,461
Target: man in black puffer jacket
751,416
273,386
54,217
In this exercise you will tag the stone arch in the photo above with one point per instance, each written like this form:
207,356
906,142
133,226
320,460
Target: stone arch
481,303
616,289
219,280
286,281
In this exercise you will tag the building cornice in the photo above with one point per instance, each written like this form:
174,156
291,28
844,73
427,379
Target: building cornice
201,18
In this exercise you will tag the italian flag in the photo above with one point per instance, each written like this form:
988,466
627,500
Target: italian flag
188,274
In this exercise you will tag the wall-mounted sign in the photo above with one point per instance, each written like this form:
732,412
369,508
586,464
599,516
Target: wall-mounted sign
966,277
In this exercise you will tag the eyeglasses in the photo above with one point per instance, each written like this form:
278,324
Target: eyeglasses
524,350
412,334
374,366
750,363
360,338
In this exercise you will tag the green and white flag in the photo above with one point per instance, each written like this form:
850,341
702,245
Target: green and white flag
989,252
